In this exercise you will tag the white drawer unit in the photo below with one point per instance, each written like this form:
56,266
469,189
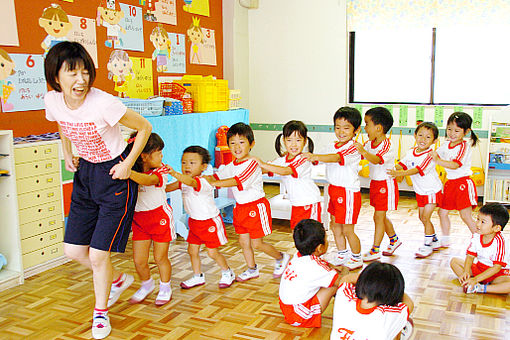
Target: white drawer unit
40,204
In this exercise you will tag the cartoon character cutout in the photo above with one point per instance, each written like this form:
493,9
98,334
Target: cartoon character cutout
6,87
187,5
196,37
56,23
109,15
151,8
162,47
120,70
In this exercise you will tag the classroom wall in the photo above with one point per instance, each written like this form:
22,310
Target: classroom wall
31,35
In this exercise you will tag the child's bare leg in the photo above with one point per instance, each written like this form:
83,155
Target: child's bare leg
444,221
354,242
379,221
249,256
388,226
500,285
218,257
161,258
338,234
141,258
425,214
457,265
269,249
193,250
467,216
324,295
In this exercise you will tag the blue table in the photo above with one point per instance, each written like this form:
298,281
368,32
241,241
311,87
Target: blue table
179,132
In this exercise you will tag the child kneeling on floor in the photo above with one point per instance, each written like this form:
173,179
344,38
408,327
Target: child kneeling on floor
308,283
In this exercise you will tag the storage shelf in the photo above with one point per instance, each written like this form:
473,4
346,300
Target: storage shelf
499,166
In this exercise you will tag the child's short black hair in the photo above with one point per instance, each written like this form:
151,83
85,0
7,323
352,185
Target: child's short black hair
381,283
350,114
381,116
73,54
241,129
206,158
308,235
428,125
497,212
154,143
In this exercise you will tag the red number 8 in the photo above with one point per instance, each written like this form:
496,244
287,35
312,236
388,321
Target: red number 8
83,23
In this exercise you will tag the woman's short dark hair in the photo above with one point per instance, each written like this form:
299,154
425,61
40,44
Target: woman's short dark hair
381,283
204,154
308,235
71,53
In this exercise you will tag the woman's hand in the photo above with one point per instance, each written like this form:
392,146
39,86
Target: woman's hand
71,163
120,171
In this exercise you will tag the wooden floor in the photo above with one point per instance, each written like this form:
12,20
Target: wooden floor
58,303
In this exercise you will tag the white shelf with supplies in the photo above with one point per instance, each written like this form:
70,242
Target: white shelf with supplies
11,267
497,188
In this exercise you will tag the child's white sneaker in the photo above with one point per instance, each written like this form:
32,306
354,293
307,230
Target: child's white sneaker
424,251
477,288
436,245
369,256
280,265
164,295
248,274
353,264
391,248
337,259
227,278
142,293
125,281
101,326
195,280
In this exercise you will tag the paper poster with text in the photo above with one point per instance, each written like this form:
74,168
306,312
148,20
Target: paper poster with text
27,84
142,86
208,52
9,31
164,12
177,62
202,44
133,25
84,32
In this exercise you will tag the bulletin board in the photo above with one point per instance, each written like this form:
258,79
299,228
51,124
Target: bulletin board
180,19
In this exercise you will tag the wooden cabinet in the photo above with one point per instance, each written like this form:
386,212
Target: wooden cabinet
10,247
41,219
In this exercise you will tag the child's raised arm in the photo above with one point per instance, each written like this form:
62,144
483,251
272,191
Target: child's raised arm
268,167
325,158
372,158
224,183
185,179
400,172
144,179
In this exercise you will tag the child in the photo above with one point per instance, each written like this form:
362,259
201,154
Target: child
252,214
153,222
55,22
296,172
372,305
120,70
342,162
383,189
459,192
418,164
205,223
489,274
308,283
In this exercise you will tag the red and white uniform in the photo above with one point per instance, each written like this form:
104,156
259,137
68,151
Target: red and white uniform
460,154
488,255
345,172
303,194
153,218
426,182
205,223
92,128
352,322
383,188
301,281
252,213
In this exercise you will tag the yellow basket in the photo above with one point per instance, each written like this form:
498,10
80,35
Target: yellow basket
208,94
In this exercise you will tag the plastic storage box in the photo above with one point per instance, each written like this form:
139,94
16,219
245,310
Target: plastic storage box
208,94
145,107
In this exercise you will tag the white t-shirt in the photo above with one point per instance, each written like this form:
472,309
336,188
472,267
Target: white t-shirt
112,30
92,128
426,181
300,186
460,154
489,254
345,172
151,197
248,176
378,172
303,278
351,321
199,202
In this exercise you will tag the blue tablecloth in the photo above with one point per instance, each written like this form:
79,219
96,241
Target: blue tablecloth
179,132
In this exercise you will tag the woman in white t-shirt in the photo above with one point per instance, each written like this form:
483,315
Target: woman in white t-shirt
103,198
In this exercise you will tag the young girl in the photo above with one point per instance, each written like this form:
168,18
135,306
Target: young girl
296,170
418,164
153,221
162,47
120,69
196,37
205,223
372,305
459,192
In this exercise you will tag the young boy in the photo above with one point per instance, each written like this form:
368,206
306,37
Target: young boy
252,214
342,162
489,274
308,283
383,188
